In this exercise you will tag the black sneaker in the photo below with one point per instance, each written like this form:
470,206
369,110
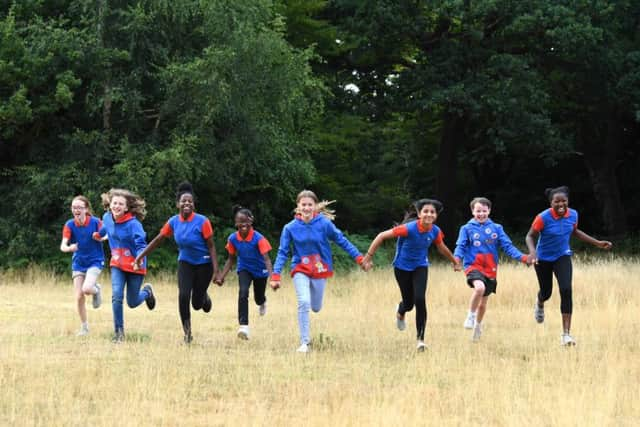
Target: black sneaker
151,299
118,337
207,305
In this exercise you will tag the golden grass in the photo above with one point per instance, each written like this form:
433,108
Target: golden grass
362,370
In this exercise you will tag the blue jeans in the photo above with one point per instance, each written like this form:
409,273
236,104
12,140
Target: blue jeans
135,297
309,293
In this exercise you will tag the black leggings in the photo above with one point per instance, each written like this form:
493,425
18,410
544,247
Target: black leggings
413,288
563,270
259,285
193,282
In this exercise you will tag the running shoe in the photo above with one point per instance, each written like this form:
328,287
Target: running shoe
421,347
567,340
263,308
151,299
477,332
538,313
84,330
97,297
304,348
118,337
470,321
243,332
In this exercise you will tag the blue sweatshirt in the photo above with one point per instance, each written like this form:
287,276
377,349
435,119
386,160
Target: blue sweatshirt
126,240
478,245
412,248
191,236
249,252
311,247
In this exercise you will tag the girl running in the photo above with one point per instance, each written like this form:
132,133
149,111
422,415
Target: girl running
121,225
251,250
477,246
553,229
310,234
411,262
197,258
88,258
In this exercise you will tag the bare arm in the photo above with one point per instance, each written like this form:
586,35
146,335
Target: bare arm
532,236
445,252
66,247
150,248
381,237
602,244
219,278
213,255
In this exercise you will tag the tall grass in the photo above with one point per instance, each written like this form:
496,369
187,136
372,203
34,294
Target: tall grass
362,370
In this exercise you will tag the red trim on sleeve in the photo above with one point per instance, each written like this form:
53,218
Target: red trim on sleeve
359,259
230,248
66,232
523,259
264,246
99,224
166,230
207,229
275,277
439,238
538,224
400,231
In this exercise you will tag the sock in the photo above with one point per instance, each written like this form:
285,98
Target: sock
85,325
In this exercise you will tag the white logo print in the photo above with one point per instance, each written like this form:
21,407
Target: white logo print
476,235
476,243
305,260
494,236
487,230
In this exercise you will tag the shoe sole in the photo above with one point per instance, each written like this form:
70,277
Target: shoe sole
243,335
151,300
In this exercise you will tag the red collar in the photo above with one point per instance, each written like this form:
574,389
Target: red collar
124,218
249,236
87,219
422,229
556,216
189,219
299,216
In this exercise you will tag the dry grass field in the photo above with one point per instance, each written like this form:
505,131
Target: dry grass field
362,370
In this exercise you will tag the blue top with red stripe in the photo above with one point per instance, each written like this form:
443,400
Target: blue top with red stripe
249,252
412,248
311,247
126,240
89,253
478,245
191,236
555,233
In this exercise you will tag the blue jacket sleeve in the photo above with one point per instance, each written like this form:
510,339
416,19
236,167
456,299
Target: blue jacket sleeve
462,244
283,251
337,236
139,236
507,246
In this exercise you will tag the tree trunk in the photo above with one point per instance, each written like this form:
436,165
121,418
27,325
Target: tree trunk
446,178
601,159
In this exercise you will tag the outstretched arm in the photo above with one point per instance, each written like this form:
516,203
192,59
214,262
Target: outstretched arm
445,252
146,251
66,247
602,244
213,254
219,278
373,247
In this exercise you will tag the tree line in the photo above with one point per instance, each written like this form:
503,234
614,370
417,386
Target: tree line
371,103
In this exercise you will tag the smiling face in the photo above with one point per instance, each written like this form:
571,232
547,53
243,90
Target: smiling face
306,208
243,223
118,206
186,205
79,210
560,203
427,215
480,212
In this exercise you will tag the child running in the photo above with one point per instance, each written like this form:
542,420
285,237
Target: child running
553,228
88,258
121,225
197,258
411,262
477,246
251,250
309,235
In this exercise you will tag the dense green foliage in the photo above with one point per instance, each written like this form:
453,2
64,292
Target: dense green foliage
372,103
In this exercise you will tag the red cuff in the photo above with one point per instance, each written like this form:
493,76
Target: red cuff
524,259
275,277
96,236
359,259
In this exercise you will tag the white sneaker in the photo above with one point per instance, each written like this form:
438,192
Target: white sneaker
263,308
477,332
400,323
97,297
304,348
567,340
243,332
84,330
421,347
470,321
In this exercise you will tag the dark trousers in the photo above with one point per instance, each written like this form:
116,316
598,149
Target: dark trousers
259,285
193,282
563,271
413,288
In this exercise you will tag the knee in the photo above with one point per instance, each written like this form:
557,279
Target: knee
243,294
479,288
316,308
80,296
196,303
304,305
87,289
